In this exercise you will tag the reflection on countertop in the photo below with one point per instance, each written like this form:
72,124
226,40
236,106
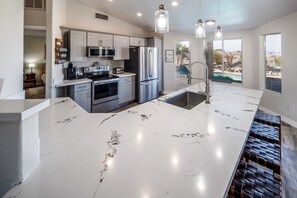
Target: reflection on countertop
151,150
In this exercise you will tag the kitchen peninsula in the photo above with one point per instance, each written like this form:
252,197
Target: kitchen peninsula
152,150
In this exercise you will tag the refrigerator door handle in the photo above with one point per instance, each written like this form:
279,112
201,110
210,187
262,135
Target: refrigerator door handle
150,63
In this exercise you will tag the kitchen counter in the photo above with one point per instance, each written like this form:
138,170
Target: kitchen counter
65,83
18,110
152,150
125,74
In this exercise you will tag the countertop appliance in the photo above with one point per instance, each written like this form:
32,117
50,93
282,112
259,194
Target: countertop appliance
100,52
118,70
71,71
105,96
143,61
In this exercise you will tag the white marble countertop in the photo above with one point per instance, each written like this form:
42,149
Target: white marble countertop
152,150
65,83
125,74
17,110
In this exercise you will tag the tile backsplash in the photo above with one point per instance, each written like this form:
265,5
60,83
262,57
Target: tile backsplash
102,61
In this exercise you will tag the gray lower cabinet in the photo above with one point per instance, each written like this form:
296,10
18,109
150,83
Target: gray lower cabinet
81,94
126,89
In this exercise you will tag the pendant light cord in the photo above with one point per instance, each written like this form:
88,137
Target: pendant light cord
199,9
219,11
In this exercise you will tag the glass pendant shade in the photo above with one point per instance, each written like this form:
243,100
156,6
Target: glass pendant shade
200,29
219,33
161,20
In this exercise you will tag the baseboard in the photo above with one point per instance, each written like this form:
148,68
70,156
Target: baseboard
284,119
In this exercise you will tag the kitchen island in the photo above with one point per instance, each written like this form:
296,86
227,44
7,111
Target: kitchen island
152,150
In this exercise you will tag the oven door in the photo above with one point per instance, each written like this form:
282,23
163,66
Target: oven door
104,90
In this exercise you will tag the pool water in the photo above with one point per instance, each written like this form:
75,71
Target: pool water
227,77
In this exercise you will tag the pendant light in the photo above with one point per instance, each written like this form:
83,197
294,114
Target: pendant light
219,31
200,28
161,20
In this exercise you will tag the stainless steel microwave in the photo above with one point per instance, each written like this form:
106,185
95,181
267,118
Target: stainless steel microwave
100,52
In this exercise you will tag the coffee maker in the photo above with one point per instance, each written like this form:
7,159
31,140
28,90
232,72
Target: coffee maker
71,72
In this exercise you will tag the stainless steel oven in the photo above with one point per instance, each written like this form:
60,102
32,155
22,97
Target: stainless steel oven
105,95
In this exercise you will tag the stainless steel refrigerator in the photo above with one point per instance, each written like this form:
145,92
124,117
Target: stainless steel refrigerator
144,62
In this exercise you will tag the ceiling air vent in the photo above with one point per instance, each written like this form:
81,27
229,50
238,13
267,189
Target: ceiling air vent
101,16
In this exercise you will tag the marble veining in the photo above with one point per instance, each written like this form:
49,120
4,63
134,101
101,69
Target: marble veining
68,120
107,119
151,150
62,101
235,129
110,153
225,114
248,96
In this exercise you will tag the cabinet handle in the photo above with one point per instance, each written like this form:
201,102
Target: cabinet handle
82,87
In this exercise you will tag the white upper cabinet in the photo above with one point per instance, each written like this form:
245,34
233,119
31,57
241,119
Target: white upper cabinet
134,41
121,46
78,45
100,40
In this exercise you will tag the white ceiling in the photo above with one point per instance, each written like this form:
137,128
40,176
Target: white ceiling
234,14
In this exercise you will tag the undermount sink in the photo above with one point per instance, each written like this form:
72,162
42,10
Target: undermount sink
186,100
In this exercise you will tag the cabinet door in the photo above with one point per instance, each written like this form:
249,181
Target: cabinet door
134,41
93,39
106,40
83,98
78,46
121,45
126,92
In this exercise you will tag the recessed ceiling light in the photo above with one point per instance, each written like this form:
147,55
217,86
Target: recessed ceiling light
139,14
110,0
174,3
210,22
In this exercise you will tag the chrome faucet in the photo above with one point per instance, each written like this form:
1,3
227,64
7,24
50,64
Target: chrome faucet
206,80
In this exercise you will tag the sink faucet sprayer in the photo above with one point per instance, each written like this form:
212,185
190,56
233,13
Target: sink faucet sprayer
207,89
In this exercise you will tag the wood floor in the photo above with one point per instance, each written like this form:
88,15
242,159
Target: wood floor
289,157
289,161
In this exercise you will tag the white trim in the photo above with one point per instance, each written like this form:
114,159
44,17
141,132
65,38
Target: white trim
20,95
34,27
284,119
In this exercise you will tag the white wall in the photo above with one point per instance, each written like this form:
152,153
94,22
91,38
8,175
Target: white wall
56,17
286,102
11,47
34,17
169,42
83,17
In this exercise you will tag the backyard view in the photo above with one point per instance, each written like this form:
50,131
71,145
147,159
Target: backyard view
227,61
273,62
182,59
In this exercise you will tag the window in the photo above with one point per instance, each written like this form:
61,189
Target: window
227,61
273,69
35,4
182,59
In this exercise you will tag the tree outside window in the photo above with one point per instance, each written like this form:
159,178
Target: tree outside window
182,59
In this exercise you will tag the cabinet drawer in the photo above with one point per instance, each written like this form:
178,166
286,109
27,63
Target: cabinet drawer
82,87
127,79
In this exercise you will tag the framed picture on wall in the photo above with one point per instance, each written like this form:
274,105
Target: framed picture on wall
169,56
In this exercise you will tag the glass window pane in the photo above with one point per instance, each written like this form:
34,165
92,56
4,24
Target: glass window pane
233,59
273,68
38,3
229,70
29,3
182,59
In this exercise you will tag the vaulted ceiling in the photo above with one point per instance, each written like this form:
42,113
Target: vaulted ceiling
234,14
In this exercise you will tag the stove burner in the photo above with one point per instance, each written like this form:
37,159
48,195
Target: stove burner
102,77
